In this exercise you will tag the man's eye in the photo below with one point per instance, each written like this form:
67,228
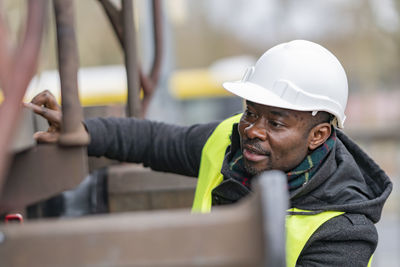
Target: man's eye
250,114
275,124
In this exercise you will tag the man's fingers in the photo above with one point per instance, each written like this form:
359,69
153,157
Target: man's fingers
46,137
45,104
53,116
46,99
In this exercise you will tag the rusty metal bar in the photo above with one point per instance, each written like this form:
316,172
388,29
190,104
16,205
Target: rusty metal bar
131,60
73,132
147,82
158,41
17,69
173,238
167,238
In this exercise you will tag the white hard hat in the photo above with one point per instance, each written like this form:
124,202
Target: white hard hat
298,75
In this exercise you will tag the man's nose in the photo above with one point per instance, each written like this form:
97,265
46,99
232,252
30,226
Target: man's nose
256,130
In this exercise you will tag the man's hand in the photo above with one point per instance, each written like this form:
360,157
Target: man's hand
45,104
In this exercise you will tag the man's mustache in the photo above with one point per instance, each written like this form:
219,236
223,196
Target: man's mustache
255,146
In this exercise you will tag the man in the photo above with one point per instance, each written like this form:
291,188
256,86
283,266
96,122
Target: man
295,97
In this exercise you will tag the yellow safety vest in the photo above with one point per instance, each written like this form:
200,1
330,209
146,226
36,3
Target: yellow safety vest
299,228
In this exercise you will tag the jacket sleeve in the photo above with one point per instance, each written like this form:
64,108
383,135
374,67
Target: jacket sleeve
160,146
346,240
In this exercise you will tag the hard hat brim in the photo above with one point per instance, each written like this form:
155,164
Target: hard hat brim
257,94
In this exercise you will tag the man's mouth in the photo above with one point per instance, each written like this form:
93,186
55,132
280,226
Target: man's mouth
254,154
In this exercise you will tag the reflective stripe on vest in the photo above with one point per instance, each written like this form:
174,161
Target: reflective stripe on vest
212,156
299,228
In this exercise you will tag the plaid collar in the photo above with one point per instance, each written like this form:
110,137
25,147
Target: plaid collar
302,174
297,177
237,170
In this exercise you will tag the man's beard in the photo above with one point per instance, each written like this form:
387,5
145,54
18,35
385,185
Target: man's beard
247,165
250,169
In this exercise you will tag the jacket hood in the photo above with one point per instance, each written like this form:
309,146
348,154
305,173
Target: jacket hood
349,180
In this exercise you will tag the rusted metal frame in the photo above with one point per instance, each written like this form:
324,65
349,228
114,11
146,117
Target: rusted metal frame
173,238
42,172
72,132
148,83
17,69
31,176
144,239
131,59
158,41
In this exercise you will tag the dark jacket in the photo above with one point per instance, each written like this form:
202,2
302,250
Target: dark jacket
347,181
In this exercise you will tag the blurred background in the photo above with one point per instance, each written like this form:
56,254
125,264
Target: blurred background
208,42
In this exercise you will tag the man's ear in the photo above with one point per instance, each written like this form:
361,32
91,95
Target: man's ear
318,135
